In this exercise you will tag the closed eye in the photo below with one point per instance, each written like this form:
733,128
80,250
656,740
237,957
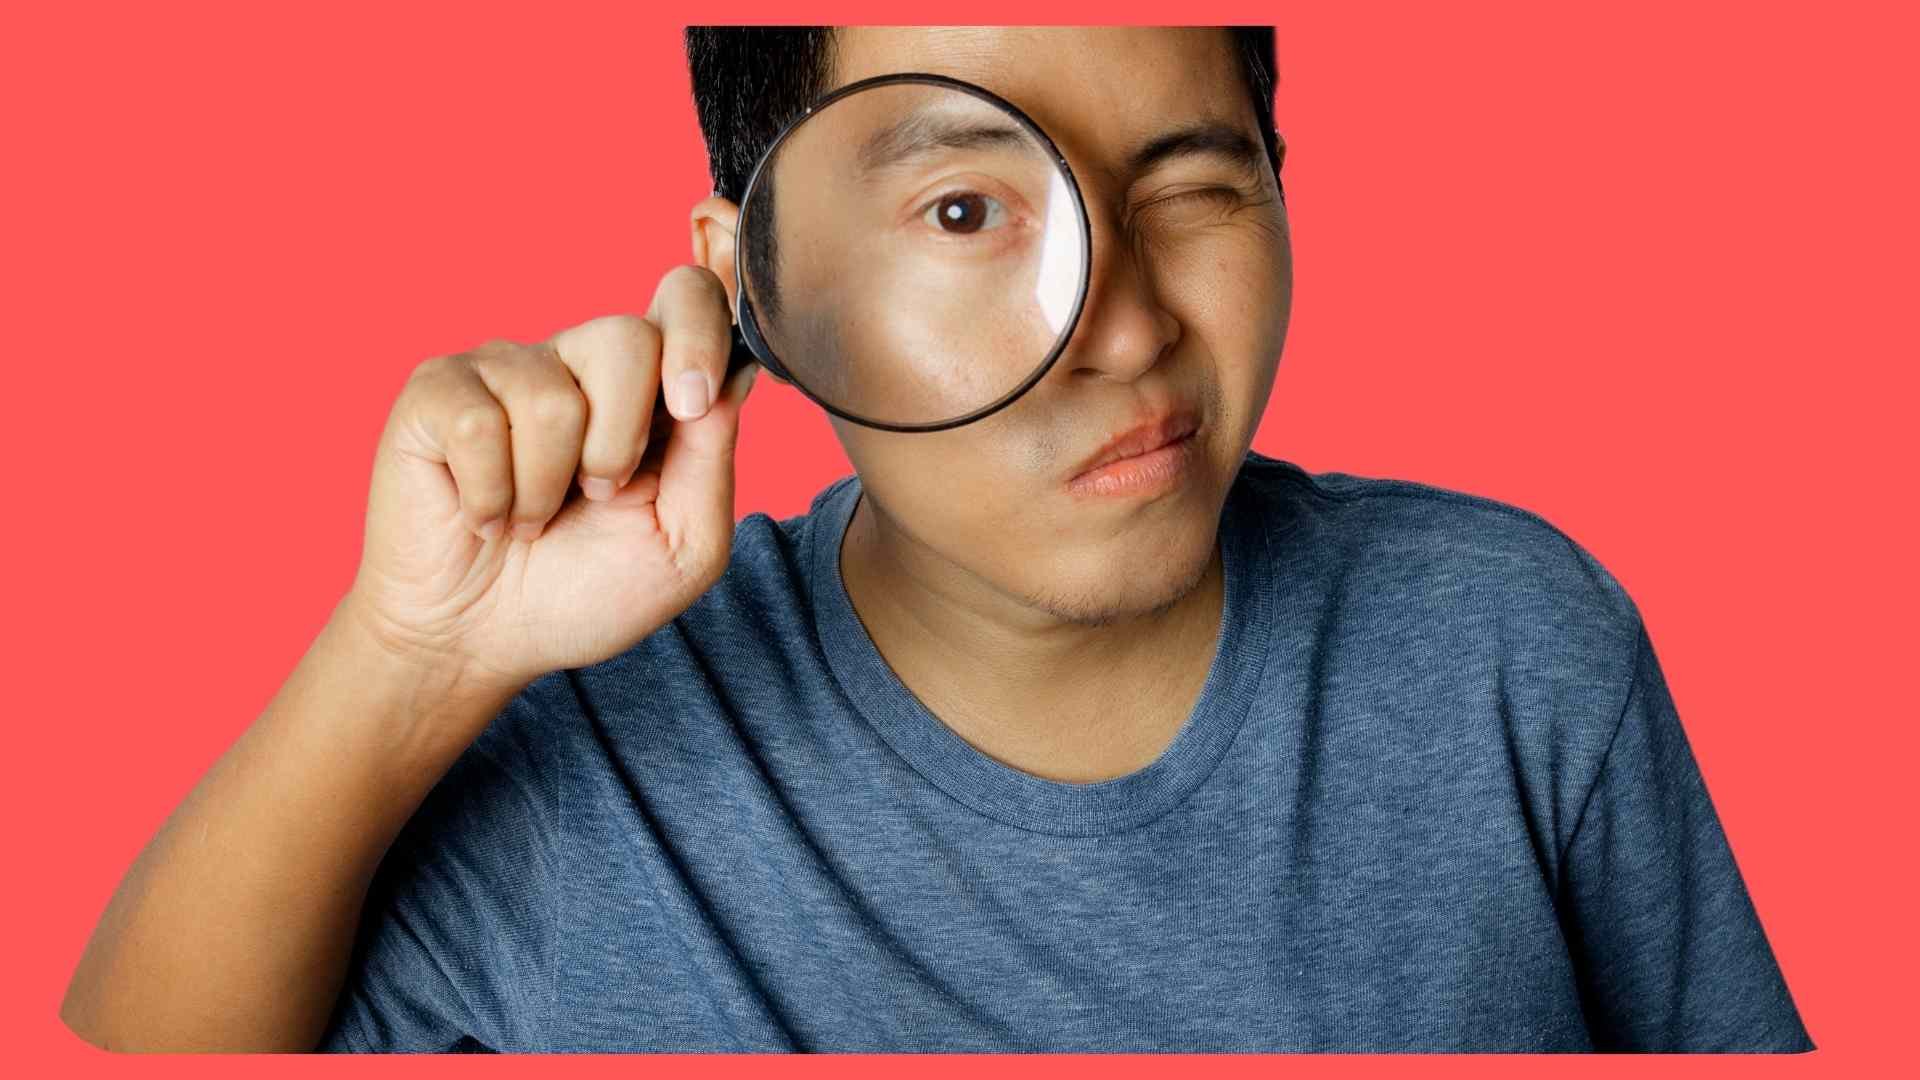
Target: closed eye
1220,193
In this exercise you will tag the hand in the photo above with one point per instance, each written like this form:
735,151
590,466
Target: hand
483,553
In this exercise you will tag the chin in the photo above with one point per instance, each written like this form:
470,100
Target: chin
1141,581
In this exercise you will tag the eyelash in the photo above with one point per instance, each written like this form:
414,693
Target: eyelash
1223,194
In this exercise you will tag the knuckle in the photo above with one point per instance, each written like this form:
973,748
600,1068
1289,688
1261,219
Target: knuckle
702,280
476,424
487,353
488,358
428,381
629,330
692,278
564,408
688,284
430,368
624,323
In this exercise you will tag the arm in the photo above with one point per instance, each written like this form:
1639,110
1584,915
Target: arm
233,928
1668,948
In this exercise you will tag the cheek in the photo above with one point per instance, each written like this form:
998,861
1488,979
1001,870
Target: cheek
927,489
1237,297
1269,310
1254,298
1230,281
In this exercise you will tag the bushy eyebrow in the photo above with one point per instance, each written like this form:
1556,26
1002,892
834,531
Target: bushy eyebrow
1202,138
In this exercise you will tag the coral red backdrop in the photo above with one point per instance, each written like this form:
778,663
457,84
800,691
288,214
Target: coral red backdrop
1644,268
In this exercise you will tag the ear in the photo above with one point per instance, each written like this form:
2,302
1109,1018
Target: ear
714,220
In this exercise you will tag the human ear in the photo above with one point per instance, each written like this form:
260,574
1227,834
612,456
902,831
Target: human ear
714,220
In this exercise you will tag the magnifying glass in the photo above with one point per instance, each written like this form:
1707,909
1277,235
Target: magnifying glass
912,254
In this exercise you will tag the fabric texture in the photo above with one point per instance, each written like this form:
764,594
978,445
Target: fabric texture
1434,796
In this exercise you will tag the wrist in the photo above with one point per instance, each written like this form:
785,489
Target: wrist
438,680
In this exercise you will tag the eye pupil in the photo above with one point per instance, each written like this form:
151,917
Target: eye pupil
963,211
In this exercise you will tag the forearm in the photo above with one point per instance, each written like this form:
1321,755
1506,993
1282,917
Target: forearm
233,928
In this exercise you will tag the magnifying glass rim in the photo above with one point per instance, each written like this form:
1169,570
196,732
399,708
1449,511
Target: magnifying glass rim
749,325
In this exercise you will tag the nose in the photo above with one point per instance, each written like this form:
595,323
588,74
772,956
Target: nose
1123,329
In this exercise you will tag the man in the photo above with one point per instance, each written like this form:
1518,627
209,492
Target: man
966,758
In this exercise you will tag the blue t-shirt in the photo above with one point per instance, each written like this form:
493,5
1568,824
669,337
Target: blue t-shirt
1434,796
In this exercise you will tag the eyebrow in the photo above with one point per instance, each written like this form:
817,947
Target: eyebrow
1204,138
924,131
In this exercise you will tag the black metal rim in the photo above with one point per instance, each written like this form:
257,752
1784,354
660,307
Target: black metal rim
748,329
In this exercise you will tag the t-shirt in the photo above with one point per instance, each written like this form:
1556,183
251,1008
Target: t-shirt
1434,796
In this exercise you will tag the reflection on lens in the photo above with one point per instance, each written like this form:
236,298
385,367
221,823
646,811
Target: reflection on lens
913,253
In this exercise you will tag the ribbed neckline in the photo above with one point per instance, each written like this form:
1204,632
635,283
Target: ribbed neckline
1019,798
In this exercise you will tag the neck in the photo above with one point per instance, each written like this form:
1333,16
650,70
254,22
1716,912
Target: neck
1060,699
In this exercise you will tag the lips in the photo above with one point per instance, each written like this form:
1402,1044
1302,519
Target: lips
1142,438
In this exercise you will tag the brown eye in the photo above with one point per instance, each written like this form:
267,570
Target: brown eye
965,212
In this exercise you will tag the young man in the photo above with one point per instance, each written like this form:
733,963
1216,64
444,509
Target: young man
963,758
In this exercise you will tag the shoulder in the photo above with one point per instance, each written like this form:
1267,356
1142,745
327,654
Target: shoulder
1486,554
1465,589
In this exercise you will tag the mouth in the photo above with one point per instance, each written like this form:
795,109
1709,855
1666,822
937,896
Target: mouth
1141,439
1144,458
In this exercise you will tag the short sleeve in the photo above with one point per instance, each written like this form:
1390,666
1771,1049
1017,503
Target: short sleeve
453,952
1667,947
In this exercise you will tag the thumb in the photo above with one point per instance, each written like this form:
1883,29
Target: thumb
695,503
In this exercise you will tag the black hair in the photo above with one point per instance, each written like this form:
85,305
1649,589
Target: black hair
749,82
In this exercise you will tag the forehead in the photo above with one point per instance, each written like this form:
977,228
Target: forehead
1099,91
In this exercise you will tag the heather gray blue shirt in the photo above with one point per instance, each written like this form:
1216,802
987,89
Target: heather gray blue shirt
1434,796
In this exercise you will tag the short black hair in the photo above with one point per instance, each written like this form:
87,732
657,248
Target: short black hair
750,82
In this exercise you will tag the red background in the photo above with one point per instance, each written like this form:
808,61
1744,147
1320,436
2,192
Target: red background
1644,268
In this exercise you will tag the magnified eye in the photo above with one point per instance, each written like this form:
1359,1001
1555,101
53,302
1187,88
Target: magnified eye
964,212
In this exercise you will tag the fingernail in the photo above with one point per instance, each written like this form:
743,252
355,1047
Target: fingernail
492,529
527,530
692,393
598,488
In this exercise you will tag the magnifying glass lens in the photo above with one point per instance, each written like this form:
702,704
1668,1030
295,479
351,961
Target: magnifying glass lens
913,254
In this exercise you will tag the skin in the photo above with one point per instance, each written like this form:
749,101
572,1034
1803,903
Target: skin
1070,637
